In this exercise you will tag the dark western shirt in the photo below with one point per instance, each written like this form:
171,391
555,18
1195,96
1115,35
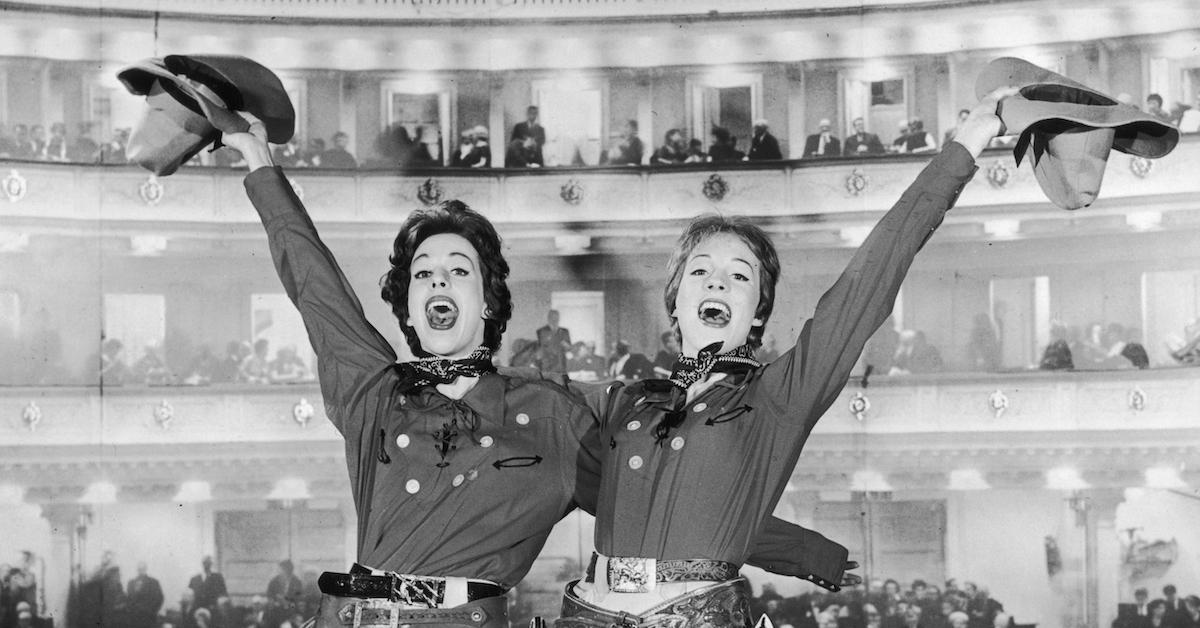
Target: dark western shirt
706,488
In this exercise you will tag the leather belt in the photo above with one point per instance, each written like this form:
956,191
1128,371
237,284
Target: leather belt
409,589
722,605
639,575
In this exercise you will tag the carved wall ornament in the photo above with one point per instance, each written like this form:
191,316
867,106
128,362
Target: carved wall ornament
151,191
998,174
31,416
857,182
571,192
715,187
15,186
297,188
303,412
1140,166
164,413
997,403
430,192
1137,399
859,405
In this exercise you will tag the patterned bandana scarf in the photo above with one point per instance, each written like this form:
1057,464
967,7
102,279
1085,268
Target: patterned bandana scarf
432,371
688,371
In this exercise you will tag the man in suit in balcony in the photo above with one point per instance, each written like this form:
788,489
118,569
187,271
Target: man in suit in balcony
763,145
207,586
861,142
823,143
530,128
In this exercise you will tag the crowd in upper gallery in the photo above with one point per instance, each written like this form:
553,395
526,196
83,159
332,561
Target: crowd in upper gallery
401,147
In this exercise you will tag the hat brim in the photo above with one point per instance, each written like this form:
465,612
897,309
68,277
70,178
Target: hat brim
244,85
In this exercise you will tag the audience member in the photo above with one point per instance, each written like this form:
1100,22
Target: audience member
983,348
584,365
664,362
102,596
56,146
466,144
822,143
289,155
673,151
1187,350
113,151
521,153
481,151
207,586
862,143
151,369
1154,107
914,354
918,141
37,141
144,598
695,153
628,366
283,594
338,156
530,128
628,151
724,146
1057,355
314,151
763,145
952,131
553,344
256,367
901,142
288,367
84,149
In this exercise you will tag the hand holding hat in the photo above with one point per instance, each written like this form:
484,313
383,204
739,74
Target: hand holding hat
983,123
1070,128
193,99
251,143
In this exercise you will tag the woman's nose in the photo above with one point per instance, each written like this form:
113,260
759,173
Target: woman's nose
714,283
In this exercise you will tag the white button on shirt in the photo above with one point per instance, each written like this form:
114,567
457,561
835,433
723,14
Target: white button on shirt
412,486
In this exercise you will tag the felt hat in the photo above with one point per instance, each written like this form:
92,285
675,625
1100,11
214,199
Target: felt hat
190,102
1070,127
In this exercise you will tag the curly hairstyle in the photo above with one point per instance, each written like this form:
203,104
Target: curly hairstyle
760,245
457,218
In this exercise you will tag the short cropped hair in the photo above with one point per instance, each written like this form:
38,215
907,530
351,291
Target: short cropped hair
453,217
1155,98
760,245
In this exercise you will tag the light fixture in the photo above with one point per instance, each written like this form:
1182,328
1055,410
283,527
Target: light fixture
13,242
290,489
967,480
99,493
11,494
1143,221
1004,228
193,491
855,236
147,245
1164,477
572,244
869,481
1065,479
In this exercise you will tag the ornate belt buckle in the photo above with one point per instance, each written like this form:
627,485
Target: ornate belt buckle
632,575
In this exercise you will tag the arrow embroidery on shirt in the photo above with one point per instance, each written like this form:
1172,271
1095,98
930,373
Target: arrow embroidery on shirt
383,454
518,461
729,416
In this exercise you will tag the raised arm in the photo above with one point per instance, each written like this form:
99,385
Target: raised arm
787,549
812,374
349,349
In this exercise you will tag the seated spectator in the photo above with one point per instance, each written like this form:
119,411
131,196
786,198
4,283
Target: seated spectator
695,153
37,140
862,143
202,369
664,362
628,151
481,152
914,354
427,147
1123,350
525,353
255,369
983,348
898,145
583,364
56,146
673,151
337,156
84,149
113,151
151,369
530,128
1154,107
952,131
289,155
1057,355
312,154
466,143
918,141
287,367
763,145
113,370
724,146
8,144
822,143
628,366
521,153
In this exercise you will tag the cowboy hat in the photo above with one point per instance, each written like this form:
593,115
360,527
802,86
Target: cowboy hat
1070,127
190,103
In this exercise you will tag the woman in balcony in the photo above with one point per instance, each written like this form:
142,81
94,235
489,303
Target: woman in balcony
697,461
460,513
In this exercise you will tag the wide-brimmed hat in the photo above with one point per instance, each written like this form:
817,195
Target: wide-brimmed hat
1070,127
190,102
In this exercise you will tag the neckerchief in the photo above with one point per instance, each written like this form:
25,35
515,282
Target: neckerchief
432,371
688,371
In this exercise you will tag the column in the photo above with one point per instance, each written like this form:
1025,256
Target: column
62,563
1103,557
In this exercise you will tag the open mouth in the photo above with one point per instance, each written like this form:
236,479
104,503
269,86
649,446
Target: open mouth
441,313
714,313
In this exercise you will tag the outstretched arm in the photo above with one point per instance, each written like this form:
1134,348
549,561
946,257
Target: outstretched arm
790,550
349,349
813,372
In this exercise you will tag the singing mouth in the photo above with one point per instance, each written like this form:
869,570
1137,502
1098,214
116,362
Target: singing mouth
714,313
441,313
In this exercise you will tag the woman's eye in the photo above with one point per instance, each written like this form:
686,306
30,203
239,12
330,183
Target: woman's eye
697,272
460,272
422,274
740,277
